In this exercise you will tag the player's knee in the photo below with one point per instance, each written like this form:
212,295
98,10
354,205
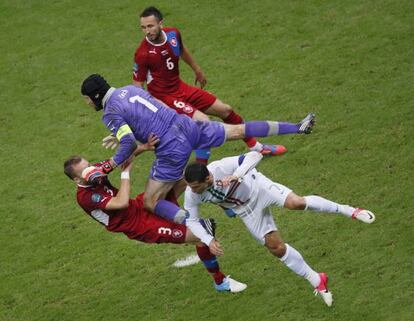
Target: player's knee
234,131
275,245
295,202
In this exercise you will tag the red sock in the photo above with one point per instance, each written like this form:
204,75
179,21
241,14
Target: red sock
236,119
210,262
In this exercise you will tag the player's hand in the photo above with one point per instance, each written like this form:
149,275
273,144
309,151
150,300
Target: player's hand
200,78
151,143
215,248
93,175
226,181
110,142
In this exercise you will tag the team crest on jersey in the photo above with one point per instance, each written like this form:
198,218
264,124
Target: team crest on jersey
164,52
123,93
177,234
96,198
173,42
188,109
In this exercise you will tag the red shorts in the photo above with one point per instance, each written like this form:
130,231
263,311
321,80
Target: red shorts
141,225
187,99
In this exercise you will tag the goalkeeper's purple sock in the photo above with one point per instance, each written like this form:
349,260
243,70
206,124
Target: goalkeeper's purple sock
170,211
270,128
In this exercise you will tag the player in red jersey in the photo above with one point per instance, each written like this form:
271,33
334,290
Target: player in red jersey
118,213
157,65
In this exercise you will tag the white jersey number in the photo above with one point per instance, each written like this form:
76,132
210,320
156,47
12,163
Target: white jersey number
179,104
170,64
143,101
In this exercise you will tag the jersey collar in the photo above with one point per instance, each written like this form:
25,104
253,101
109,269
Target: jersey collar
107,95
158,44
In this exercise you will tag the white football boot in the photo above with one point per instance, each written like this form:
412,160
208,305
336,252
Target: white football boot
230,285
363,215
322,289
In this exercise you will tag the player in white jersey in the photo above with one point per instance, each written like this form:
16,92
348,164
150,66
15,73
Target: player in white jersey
234,184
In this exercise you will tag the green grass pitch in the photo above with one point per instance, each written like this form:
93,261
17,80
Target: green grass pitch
350,62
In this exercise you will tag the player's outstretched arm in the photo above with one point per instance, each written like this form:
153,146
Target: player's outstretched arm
189,60
121,200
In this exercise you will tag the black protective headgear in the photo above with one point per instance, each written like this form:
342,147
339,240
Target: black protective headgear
95,87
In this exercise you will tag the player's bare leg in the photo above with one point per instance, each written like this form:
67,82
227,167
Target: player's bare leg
269,128
320,204
154,201
295,262
229,116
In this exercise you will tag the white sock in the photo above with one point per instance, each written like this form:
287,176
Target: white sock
320,204
294,261
257,147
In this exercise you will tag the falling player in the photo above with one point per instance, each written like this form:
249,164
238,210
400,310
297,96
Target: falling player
157,65
235,185
132,114
118,213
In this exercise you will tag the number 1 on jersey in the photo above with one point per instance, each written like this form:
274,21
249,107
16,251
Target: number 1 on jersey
143,101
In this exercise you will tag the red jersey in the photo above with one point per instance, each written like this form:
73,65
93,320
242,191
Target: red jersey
157,64
135,222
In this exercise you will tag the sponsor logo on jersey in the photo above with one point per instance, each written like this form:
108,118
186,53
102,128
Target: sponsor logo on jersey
164,52
123,94
96,198
177,234
152,51
173,42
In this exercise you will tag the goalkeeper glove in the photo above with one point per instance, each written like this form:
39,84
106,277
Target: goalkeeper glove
110,142
105,166
93,175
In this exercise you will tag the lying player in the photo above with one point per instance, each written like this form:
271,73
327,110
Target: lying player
118,213
235,184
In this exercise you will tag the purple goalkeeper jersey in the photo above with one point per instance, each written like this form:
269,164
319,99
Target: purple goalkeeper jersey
131,113
133,108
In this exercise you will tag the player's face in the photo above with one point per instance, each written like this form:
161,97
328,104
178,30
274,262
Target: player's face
78,169
151,28
89,101
199,187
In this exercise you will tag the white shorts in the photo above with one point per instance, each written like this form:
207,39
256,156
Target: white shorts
258,217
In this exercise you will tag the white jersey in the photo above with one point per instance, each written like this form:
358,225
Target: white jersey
237,196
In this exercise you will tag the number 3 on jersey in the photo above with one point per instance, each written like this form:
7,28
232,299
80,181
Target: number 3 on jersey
170,64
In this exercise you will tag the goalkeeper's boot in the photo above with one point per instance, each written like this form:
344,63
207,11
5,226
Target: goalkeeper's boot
306,124
273,150
209,225
230,285
322,289
363,215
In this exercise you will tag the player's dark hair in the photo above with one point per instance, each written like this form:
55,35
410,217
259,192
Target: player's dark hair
196,172
152,11
95,87
68,166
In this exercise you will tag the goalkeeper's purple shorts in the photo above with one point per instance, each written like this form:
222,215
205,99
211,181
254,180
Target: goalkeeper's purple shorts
178,143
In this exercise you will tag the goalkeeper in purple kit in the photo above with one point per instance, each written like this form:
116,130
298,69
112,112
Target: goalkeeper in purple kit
133,115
